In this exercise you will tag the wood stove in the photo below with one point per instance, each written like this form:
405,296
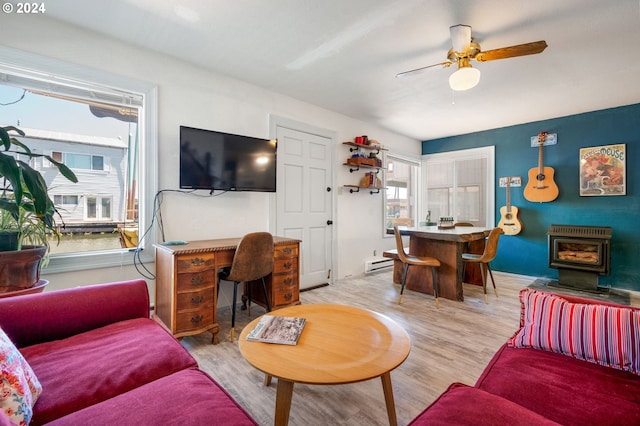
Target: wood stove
580,253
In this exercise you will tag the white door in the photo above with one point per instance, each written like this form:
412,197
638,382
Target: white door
304,200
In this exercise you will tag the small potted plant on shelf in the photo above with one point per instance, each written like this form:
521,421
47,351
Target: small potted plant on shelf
27,213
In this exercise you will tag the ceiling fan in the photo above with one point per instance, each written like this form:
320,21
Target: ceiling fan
465,49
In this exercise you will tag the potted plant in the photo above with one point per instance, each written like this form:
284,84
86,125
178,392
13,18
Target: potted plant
27,213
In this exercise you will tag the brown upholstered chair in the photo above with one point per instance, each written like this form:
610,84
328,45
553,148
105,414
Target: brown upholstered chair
408,260
490,251
253,260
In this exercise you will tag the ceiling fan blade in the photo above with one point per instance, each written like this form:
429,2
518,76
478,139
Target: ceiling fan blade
419,70
512,51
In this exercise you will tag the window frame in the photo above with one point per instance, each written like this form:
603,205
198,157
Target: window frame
487,152
51,69
416,161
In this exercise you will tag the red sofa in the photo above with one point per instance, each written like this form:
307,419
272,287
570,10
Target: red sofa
545,384
102,361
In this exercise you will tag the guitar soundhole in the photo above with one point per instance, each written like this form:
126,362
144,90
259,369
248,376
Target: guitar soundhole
508,216
541,176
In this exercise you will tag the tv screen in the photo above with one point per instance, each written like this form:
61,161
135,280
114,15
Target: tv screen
222,161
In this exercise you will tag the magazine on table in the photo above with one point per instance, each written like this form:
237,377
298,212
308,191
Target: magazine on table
277,329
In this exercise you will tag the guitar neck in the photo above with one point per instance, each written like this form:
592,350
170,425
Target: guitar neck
509,195
541,157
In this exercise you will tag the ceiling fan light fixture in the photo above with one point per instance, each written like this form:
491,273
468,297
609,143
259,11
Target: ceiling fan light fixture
460,38
464,78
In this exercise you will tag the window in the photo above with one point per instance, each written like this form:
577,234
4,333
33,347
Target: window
60,200
400,201
80,161
98,208
460,184
93,122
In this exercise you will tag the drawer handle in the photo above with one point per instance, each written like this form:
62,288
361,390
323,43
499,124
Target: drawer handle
197,319
288,296
197,280
288,281
288,265
197,261
197,300
287,250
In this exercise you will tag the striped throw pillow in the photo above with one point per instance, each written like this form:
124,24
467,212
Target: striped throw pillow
605,335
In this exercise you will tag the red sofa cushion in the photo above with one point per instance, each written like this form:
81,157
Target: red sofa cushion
35,318
564,389
91,367
184,398
464,405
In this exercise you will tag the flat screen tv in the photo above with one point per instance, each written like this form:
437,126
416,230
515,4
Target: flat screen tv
222,161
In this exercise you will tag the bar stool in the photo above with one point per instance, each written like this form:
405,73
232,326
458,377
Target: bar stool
490,251
253,260
408,259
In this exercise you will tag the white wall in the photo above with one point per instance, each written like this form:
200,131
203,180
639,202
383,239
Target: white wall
188,95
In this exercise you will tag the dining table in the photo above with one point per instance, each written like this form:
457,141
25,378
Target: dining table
446,245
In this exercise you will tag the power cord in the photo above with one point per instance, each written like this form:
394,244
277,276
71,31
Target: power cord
157,214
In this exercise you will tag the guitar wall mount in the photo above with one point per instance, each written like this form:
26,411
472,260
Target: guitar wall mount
550,139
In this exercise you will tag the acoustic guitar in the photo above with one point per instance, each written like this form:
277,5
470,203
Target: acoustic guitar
509,221
541,188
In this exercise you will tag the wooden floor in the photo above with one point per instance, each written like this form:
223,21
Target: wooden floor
449,344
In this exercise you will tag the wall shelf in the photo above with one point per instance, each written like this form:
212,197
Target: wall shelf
356,188
354,147
354,167
362,166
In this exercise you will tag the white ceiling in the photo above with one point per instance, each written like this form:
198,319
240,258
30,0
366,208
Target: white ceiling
343,55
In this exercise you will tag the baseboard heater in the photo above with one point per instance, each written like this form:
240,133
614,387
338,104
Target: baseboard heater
377,264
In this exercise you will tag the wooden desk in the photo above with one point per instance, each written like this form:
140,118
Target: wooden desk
339,344
446,245
187,280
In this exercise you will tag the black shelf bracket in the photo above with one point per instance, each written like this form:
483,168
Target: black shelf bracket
354,170
352,190
377,191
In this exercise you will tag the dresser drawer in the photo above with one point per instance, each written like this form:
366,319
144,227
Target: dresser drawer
195,299
195,262
285,288
191,320
196,281
283,251
285,265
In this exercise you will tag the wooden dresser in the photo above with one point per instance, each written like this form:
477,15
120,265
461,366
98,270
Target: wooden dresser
186,281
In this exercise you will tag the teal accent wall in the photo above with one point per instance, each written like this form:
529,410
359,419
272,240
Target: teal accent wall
526,253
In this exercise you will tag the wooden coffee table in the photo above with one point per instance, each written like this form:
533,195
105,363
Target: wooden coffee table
339,344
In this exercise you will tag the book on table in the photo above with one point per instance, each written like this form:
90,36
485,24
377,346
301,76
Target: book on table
277,329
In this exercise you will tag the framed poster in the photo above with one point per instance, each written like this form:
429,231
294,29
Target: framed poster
603,170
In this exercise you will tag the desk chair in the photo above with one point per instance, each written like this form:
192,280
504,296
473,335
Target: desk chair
408,259
490,251
253,260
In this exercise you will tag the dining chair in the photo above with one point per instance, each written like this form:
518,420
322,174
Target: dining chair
489,253
408,260
253,260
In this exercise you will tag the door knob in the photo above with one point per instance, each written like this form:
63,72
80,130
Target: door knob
329,222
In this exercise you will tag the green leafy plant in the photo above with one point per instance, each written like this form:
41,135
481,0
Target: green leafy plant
25,205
